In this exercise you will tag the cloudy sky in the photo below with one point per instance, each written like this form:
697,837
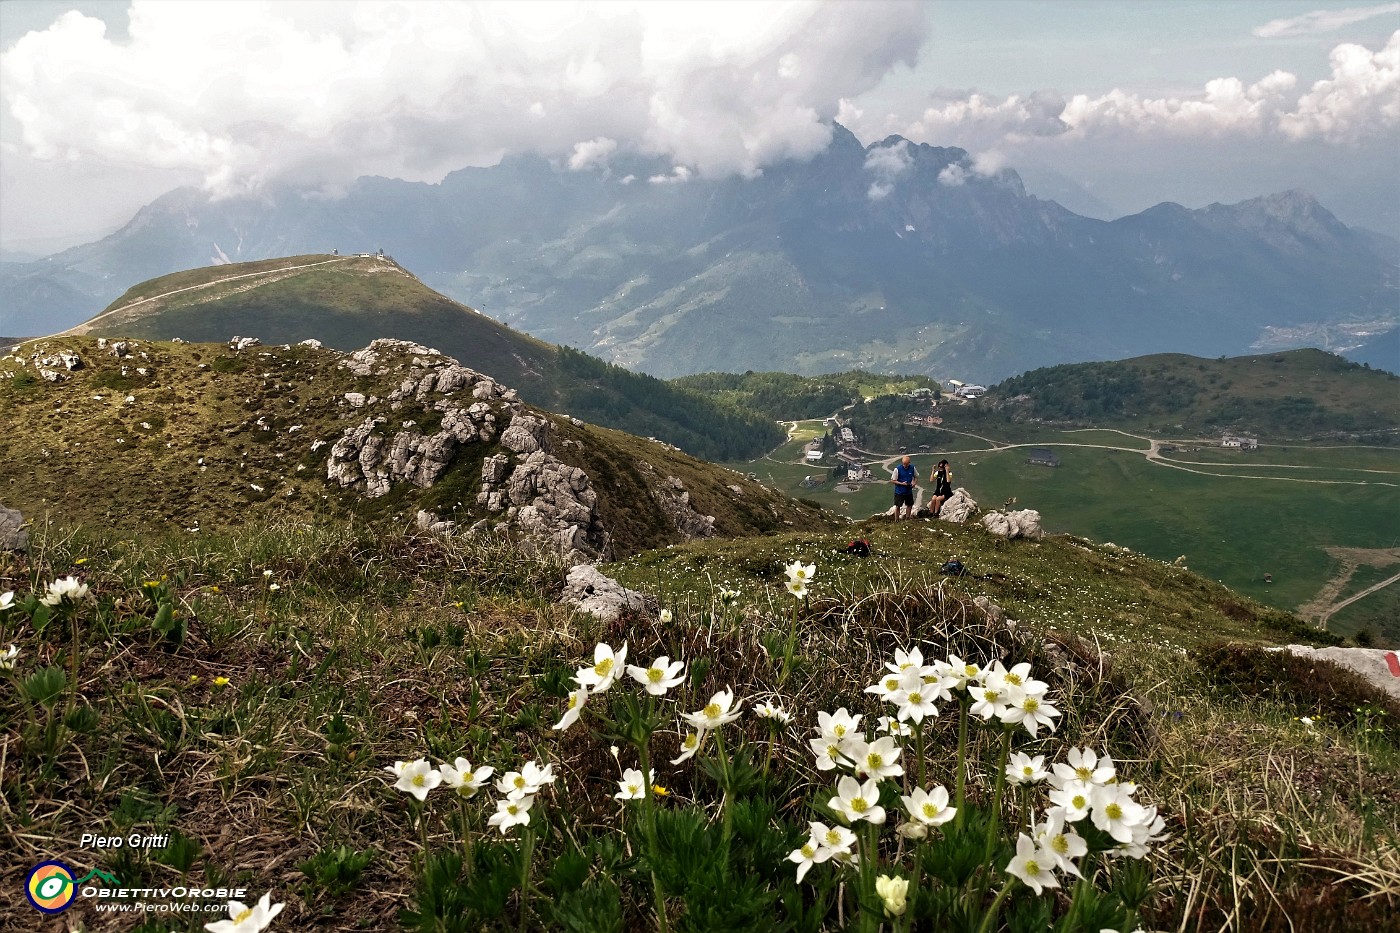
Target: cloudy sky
1111,106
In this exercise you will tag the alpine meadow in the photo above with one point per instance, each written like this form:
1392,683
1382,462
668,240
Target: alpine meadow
799,466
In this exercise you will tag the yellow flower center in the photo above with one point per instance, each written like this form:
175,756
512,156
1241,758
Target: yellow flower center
1014,679
1027,770
839,732
654,674
832,751
832,837
1060,844
916,698
512,809
520,780
247,912
892,684
1031,705
1033,867
573,700
418,780
1079,802
602,667
930,811
970,670
632,789
991,695
1083,773
1113,811
807,850
859,805
711,711
691,741
875,760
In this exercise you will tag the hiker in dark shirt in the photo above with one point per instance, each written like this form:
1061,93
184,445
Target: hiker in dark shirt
942,485
905,478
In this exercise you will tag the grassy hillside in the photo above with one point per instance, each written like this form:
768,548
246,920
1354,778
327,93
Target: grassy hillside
243,693
787,397
179,436
347,301
1293,395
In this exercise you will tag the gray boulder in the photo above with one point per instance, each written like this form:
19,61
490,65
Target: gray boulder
1020,524
588,590
959,507
13,537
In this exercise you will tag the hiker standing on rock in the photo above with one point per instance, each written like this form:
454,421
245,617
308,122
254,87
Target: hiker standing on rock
942,485
905,478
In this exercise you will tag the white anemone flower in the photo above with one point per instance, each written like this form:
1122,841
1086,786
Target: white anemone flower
856,801
460,777
1075,798
1019,678
894,892
836,839
810,853
526,782
906,661
512,811
662,675
1065,845
1152,829
632,787
887,687
797,588
7,600
961,672
916,698
1023,769
830,753
689,746
571,714
989,701
415,777
839,725
893,726
1032,712
1084,764
775,713
666,617
878,759
606,666
7,660
245,919
716,713
65,589
929,808
1033,865
1116,812
798,572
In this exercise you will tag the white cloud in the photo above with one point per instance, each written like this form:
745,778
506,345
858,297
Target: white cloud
1361,99
1323,21
952,175
989,163
592,152
887,163
1364,91
320,93
679,174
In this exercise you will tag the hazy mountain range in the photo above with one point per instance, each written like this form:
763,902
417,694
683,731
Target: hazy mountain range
892,256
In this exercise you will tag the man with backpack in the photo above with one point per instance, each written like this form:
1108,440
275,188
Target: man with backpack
905,478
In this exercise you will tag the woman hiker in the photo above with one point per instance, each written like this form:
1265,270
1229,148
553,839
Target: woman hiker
942,485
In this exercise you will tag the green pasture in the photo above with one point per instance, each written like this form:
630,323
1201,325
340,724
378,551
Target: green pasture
1230,529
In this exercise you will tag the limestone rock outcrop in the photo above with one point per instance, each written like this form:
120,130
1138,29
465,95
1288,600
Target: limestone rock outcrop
13,537
1377,666
958,508
590,591
1024,523
548,501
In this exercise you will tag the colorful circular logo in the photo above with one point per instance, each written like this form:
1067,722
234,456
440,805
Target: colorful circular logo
50,887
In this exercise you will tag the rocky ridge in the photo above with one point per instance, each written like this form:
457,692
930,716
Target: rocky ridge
550,502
